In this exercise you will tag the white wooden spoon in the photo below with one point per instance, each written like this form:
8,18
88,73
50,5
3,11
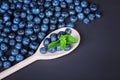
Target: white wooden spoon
39,56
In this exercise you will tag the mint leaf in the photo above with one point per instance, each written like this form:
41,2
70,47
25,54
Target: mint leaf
70,39
62,42
53,44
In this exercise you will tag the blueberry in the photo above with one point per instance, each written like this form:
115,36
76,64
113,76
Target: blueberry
73,19
31,52
64,14
46,20
98,15
81,16
3,34
2,11
68,31
34,45
44,27
18,38
86,10
18,45
30,24
1,20
57,9
20,32
71,6
86,20
1,53
3,47
11,58
61,19
46,42
41,35
5,6
76,2
48,13
72,12
12,42
23,15
93,7
61,25
29,11
42,15
14,52
12,6
29,17
25,7
68,47
14,27
36,28
33,37
37,20
22,24
69,1
1,26
26,1
57,14
19,57
51,50
28,31
58,48
43,50
18,5
60,33
15,1
69,24
8,23
52,27
6,64
9,12
1,39
47,4
91,17
32,4
11,35
55,2
6,30
53,37
25,41
16,14
78,9
3,58
6,17
16,20
63,4
84,4
6,40
53,20
51,8
23,51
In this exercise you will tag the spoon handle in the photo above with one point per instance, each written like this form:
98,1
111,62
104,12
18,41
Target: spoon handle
18,66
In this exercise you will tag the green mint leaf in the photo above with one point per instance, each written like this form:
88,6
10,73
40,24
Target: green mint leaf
53,44
63,43
70,39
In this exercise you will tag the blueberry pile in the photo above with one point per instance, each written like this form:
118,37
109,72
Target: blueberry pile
54,37
25,23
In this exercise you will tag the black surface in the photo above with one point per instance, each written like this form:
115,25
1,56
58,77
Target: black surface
96,58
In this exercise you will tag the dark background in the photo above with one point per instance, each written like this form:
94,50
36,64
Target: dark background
96,58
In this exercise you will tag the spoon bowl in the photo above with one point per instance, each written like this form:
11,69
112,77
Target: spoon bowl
40,56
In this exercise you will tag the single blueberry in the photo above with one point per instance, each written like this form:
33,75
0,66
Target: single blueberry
1,53
35,11
11,58
6,17
53,37
53,20
41,35
57,14
18,45
84,3
55,2
5,6
23,51
43,50
93,7
64,14
68,47
44,27
86,10
6,40
3,34
14,52
98,15
3,58
68,31
18,5
10,12
11,35
25,41
41,15
21,32
69,24
12,6
69,1
30,24
16,20
18,38
23,15
19,57
60,33
6,64
36,28
33,37
1,26
45,20
14,27
46,42
52,27
81,16
86,20
6,29
57,8
58,48
25,7
12,42
22,24
78,9
63,4
16,14
76,2
91,17
2,11
37,20
61,19
1,39
71,6
29,17
26,1
73,19
31,52
72,12
47,4
28,31
61,25
48,13
3,47
51,50
34,45
8,23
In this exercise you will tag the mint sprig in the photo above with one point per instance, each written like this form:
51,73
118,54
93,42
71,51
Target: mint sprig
63,41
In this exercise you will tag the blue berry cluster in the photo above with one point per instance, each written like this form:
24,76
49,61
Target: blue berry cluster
54,37
25,23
